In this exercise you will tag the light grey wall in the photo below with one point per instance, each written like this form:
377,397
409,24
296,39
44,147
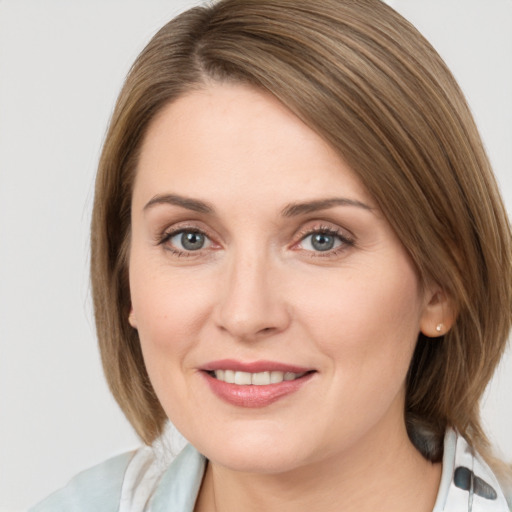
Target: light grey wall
61,66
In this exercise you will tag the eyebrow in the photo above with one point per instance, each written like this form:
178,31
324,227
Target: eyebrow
185,202
290,210
295,209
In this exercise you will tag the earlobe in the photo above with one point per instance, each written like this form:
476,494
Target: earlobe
439,314
131,318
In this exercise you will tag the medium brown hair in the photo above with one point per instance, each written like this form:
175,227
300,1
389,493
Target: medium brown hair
364,79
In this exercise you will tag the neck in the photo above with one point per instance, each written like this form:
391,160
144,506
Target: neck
381,473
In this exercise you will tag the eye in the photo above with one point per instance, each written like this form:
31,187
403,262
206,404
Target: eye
325,240
320,242
187,241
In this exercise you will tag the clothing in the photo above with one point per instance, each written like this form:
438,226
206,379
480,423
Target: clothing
140,482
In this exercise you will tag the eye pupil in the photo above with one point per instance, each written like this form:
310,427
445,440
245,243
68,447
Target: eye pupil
192,241
322,242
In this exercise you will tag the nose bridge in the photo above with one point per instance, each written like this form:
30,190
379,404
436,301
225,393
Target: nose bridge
251,303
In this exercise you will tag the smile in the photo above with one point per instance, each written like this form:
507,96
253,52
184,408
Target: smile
254,385
256,379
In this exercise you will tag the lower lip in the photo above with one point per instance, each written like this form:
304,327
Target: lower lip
254,396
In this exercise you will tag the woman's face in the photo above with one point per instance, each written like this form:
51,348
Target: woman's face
258,256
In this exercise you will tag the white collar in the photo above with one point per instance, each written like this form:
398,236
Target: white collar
467,482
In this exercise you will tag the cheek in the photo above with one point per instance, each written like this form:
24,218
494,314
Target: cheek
367,322
169,310
368,330
170,314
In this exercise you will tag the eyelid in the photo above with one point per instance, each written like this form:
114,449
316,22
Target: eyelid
323,227
176,227
208,242
345,236
164,235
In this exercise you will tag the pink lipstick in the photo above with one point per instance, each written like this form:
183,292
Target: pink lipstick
255,384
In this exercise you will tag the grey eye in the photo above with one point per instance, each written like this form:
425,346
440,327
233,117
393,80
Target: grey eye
322,241
189,240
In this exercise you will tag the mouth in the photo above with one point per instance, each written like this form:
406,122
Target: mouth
264,378
254,385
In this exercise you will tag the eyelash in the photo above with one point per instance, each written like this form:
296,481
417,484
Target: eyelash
166,236
345,240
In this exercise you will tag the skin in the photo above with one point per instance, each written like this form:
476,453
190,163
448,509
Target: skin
260,290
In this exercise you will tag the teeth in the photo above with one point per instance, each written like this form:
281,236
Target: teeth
243,378
256,379
260,379
276,377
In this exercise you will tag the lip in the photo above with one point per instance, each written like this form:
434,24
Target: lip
251,396
253,367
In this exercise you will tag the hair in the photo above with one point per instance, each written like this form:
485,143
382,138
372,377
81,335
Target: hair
369,83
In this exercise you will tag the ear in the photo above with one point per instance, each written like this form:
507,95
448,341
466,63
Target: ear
131,318
439,313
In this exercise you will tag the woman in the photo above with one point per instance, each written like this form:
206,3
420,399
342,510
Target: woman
301,259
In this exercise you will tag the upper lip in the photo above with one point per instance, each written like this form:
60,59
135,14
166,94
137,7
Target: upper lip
253,367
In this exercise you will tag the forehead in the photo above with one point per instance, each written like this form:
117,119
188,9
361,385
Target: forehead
231,139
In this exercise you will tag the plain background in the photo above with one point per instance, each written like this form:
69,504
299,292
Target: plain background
61,66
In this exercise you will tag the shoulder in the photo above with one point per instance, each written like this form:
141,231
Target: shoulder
131,481
96,489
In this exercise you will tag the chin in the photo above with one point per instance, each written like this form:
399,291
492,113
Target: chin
256,453
264,461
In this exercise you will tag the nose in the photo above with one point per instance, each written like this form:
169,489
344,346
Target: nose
252,301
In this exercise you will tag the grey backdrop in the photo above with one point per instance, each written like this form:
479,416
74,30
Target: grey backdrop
61,66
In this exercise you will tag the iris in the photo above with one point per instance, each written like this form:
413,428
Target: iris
322,241
192,241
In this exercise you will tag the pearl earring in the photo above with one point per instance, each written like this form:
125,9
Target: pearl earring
439,328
